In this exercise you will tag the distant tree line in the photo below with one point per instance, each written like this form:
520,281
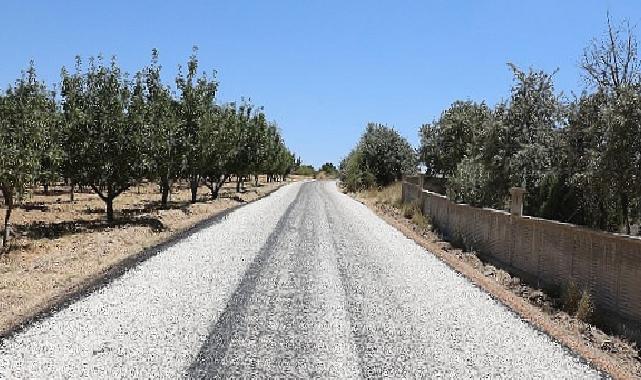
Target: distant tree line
579,159
107,131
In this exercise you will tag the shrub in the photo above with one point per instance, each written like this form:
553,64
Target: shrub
353,175
381,157
470,184
570,297
585,308
409,210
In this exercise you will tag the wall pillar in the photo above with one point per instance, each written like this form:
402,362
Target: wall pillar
516,201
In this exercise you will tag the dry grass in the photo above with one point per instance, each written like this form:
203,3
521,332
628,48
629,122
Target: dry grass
390,196
61,244
577,303
570,297
585,308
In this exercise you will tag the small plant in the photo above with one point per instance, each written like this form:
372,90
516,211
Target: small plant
585,308
420,220
390,195
571,297
409,210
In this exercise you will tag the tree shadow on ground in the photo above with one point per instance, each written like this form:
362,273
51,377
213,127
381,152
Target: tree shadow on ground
145,209
51,192
43,230
34,206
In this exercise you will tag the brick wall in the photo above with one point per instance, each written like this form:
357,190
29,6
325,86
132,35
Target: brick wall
547,253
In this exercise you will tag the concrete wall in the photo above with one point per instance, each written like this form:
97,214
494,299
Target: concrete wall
546,253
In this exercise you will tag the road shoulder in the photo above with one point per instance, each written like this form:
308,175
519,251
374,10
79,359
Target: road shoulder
618,369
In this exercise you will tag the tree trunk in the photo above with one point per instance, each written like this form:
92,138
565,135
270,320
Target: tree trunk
219,186
7,227
164,190
213,188
110,208
256,180
625,211
193,184
238,184
46,188
8,200
71,193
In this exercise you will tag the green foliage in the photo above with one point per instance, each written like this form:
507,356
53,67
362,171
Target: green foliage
27,124
381,157
470,184
329,169
197,95
454,136
353,174
28,128
104,113
108,132
579,161
163,131
307,170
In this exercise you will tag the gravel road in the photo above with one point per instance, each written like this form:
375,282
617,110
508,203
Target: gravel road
304,283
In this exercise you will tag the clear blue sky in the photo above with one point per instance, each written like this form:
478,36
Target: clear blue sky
322,69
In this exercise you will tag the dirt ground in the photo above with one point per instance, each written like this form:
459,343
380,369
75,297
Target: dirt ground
612,354
60,245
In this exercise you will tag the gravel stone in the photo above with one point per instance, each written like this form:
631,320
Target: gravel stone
304,283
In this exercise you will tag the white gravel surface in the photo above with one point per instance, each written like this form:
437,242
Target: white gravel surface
304,283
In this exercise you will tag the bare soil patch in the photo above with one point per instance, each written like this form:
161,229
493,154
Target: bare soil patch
612,354
59,245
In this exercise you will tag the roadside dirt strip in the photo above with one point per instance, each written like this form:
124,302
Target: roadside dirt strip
304,283
616,366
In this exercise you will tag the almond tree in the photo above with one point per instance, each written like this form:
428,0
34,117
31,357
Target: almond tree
218,147
197,96
163,130
104,117
27,117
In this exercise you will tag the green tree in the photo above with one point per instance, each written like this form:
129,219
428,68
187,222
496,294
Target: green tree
329,168
519,145
612,66
102,110
386,154
218,146
353,175
197,95
454,136
27,122
163,130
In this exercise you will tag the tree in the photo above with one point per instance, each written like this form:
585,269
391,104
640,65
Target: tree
381,157
163,131
454,136
386,154
197,96
329,168
103,111
27,121
470,184
353,175
217,147
612,66
518,147
612,62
